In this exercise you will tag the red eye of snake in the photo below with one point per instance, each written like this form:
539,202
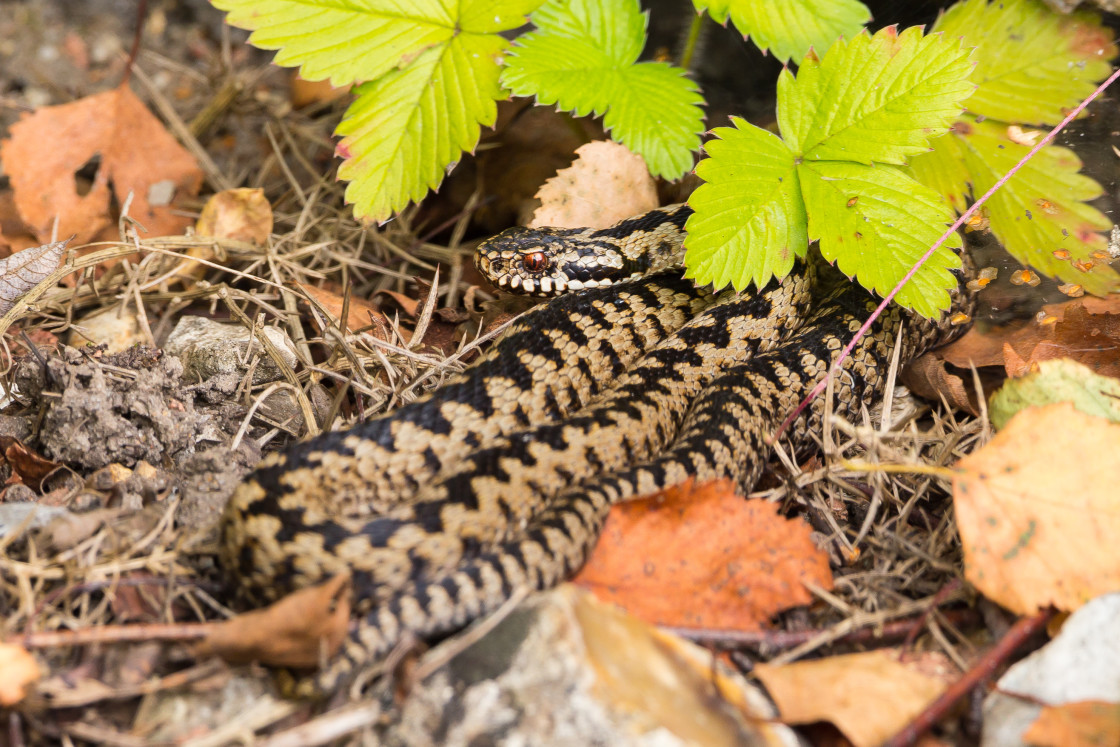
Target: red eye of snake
535,262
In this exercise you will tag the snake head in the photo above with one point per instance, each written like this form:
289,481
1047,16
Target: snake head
546,262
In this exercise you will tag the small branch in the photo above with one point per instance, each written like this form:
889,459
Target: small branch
782,639
179,632
983,669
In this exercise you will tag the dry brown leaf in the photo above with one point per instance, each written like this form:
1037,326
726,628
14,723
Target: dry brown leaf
23,270
928,377
31,468
303,92
704,557
1084,329
299,630
1085,724
1039,512
606,183
238,214
360,314
138,155
410,306
20,672
868,696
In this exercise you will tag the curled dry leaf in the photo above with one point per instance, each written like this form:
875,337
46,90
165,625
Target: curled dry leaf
138,155
1083,724
20,672
24,270
868,696
704,557
929,378
606,183
1038,510
31,468
299,630
239,214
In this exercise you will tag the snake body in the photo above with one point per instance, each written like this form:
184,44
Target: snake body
476,501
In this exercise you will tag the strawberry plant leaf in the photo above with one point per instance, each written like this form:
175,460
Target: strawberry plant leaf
356,42
876,222
845,119
875,98
1040,215
1032,65
583,58
750,220
789,29
429,71
404,129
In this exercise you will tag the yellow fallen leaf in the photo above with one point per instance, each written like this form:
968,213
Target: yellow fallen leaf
868,696
1038,510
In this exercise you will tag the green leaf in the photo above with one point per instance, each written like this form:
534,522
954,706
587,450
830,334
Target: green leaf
1032,65
749,221
876,222
788,29
868,103
351,42
432,80
943,169
1042,208
875,98
582,58
1060,380
403,130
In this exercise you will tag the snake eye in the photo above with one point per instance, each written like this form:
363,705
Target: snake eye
535,262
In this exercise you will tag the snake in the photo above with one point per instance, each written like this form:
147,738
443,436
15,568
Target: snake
630,380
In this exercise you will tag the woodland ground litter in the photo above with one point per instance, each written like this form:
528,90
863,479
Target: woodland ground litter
155,453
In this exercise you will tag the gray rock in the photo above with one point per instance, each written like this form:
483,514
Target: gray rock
208,348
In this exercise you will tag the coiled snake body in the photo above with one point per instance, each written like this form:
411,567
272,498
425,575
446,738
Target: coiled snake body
500,480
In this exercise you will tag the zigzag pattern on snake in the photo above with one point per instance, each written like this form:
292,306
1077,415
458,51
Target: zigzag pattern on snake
500,481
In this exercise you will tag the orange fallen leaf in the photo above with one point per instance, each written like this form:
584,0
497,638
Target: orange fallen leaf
360,314
868,696
704,557
1038,510
1085,329
605,184
137,153
1085,724
20,672
299,630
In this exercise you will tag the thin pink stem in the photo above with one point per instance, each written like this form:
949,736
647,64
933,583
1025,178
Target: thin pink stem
820,387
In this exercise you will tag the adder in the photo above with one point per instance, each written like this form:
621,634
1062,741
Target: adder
628,382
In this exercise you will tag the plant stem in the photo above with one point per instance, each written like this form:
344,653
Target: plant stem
690,42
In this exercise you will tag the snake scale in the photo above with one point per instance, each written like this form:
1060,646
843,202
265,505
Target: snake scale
499,481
